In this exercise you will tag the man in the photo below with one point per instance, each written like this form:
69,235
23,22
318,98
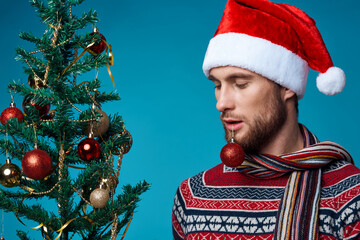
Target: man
290,185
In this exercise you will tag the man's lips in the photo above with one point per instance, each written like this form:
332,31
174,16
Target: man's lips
232,124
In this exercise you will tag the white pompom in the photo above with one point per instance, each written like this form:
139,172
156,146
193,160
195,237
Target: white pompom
332,81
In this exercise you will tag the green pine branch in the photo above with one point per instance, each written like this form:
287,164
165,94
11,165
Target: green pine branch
22,235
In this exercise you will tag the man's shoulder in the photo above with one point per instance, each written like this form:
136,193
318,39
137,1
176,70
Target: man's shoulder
341,183
340,199
214,173
340,171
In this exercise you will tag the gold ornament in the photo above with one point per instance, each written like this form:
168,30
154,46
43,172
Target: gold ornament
101,126
111,182
10,174
35,82
99,197
126,146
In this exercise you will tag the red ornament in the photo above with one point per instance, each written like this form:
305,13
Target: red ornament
28,102
89,149
36,164
232,154
98,46
11,112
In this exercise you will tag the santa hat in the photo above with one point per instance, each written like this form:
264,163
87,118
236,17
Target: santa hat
275,40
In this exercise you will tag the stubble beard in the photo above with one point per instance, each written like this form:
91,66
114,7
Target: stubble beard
263,127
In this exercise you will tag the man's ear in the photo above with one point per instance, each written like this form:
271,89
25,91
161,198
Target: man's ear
287,93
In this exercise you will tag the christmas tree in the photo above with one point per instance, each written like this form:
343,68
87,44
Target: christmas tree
70,150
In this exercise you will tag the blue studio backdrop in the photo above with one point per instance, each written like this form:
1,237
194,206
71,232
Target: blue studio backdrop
167,102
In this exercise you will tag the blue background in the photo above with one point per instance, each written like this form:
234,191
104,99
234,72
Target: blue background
168,104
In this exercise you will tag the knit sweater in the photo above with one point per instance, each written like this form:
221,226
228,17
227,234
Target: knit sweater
222,203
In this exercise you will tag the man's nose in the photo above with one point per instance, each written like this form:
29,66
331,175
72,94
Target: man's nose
225,100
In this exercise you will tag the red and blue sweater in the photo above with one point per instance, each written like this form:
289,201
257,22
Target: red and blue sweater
222,203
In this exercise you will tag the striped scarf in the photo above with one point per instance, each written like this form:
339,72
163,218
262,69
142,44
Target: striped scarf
298,211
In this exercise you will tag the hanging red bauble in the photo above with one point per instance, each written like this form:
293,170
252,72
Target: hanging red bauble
98,46
28,102
89,149
11,112
36,164
232,154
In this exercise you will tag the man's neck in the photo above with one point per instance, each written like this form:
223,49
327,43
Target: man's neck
288,139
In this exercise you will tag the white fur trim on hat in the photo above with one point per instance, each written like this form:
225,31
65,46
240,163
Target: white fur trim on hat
332,81
260,56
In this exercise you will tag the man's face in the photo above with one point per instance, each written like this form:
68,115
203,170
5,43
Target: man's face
251,106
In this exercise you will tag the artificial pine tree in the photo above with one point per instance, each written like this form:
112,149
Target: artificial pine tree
63,128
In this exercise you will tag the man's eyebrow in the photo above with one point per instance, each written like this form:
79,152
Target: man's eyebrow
212,78
233,76
240,75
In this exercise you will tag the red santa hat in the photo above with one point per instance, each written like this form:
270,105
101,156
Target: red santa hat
275,40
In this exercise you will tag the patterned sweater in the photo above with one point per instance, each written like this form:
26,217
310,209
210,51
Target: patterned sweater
222,203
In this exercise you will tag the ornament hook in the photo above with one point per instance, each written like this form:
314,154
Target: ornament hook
7,143
232,140
12,93
35,137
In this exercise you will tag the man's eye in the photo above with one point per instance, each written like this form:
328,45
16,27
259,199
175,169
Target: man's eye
241,85
217,86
